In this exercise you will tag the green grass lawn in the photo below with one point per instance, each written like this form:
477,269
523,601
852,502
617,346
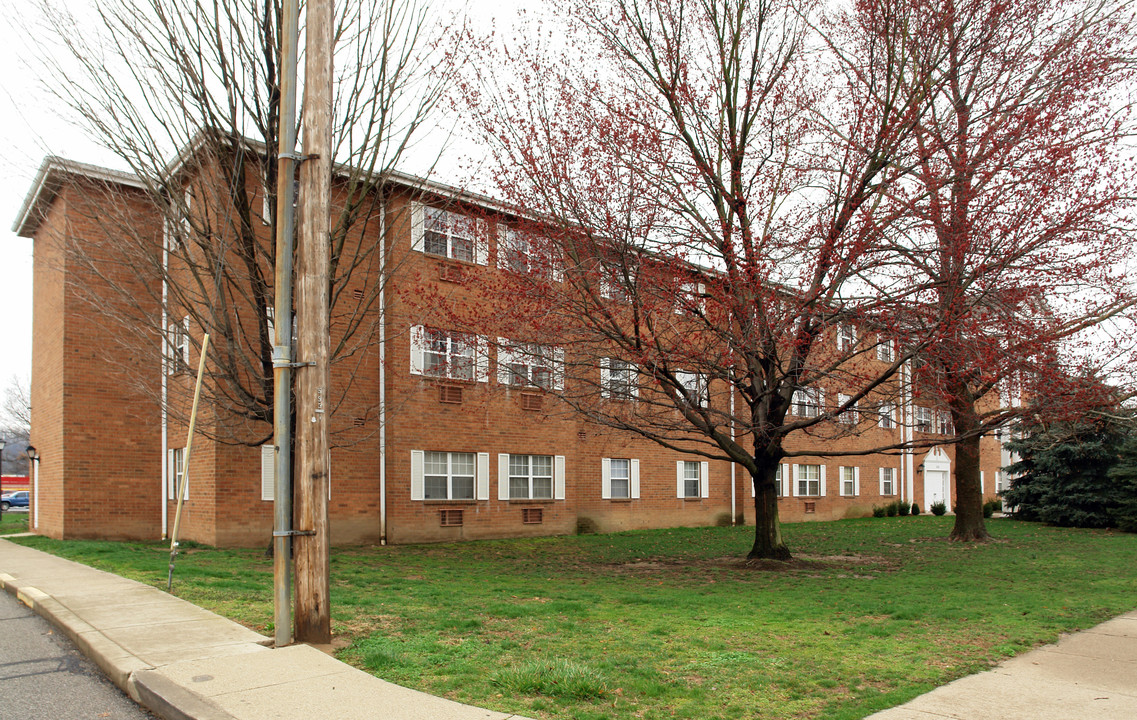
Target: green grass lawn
13,522
671,623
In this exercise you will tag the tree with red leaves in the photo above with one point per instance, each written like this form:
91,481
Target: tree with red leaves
701,221
1019,211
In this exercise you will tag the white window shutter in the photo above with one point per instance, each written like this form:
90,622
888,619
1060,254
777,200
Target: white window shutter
503,476
170,477
558,268
606,478
483,478
822,479
418,463
559,477
705,478
881,489
502,240
795,487
504,358
418,224
481,241
635,380
266,206
982,483
634,481
786,480
418,344
559,368
604,386
268,471
185,348
680,489
857,481
481,360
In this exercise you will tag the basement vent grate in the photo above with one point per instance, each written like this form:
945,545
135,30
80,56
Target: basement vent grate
532,516
450,394
450,518
532,401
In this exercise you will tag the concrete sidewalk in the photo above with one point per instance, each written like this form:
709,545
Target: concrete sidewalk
1090,675
183,662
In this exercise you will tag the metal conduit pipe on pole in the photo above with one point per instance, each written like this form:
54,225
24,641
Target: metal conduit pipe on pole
282,323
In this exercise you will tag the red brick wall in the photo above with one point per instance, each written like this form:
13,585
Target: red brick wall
95,416
102,452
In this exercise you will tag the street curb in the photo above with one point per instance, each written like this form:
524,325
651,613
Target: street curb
171,701
115,662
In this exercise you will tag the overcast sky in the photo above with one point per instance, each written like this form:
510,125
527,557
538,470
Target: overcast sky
32,130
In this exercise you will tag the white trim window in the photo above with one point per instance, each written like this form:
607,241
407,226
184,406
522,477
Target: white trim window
999,482
887,481
176,457
530,477
691,479
522,364
524,253
618,379
924,419
887,419
178,355
691,299
615,285
850,481
451,355
449,234
885,350
806,402
808,480
695,385
944,425
846,336
448,475
620,478
850,416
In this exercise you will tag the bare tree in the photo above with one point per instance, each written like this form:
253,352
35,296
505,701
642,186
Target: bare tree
186,96
1020,214
15,424
705,206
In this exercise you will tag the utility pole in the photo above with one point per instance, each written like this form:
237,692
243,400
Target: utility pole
313,617
282,324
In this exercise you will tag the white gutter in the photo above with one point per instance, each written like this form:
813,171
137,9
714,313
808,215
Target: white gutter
733,465
382,376
906,433
164,330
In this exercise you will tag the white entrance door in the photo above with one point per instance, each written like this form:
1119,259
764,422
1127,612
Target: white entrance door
935,488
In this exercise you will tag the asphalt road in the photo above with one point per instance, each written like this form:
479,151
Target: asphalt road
43,676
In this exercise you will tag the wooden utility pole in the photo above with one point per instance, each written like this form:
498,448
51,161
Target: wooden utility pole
313,617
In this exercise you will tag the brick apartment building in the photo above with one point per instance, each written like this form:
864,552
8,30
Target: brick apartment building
443,438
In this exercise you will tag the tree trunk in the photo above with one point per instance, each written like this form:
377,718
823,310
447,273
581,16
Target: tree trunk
768,543
969,525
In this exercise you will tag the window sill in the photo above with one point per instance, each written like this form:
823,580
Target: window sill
524,501
436,501
621,500
692,499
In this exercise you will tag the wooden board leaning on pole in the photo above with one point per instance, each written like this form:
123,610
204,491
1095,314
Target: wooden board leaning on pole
186,462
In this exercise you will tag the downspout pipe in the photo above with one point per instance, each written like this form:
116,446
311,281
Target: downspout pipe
382,375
